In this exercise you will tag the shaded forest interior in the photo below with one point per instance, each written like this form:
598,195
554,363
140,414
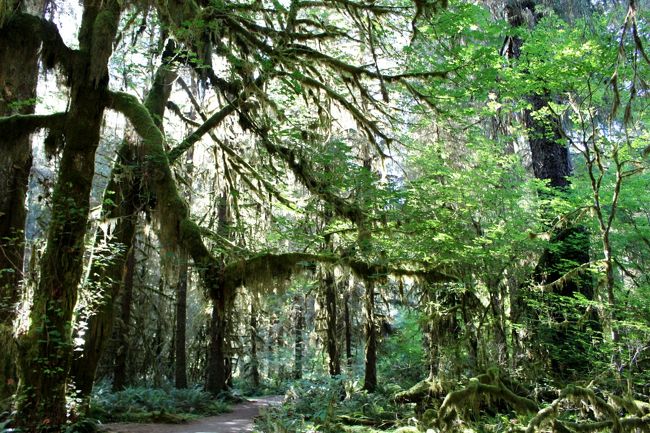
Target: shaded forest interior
404,216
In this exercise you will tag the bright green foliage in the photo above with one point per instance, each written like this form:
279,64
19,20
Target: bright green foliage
402,353
334,405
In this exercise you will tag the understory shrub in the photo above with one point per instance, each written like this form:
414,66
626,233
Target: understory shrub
334,405
157,405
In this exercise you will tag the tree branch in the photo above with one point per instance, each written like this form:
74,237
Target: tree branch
176,224
54,51
209,124
18,125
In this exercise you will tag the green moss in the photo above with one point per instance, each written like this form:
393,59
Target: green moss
103,34
429,417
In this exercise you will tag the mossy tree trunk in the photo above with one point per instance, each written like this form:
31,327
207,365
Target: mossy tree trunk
180,364
180,360
298,335
348,330
370,377
255,362
46,349
334,362
497,305
120,376
217,376
121,203
18,77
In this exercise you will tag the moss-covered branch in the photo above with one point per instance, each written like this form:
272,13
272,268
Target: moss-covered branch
18,125
173,212
490,385
236,160
571,275
265,267
421,391
301,169
205,128
54,51
312,54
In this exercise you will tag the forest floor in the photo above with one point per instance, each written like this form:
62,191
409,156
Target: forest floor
239,420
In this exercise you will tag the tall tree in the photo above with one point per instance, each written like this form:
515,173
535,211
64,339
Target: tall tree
18,77
46,349
334,360
569,246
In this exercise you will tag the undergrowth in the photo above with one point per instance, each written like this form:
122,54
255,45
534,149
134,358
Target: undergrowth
154,405
334,405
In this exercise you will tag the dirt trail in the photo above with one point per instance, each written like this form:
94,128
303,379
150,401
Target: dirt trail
239,420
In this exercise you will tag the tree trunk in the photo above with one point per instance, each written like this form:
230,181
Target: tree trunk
120,203
120,375
370,379
46,349
498,326
18,77
181,323
332,340
255,362
348,330
569,247
217,369
216,381
299,328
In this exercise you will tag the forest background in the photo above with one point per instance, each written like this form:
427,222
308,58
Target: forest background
408,216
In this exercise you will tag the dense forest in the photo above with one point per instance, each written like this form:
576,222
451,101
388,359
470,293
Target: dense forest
402,216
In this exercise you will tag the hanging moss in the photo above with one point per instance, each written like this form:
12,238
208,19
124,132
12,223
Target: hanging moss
22,28
264,269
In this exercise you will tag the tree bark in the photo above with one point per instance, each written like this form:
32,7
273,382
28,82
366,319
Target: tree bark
370,378
348,330
181,323
255,362
569,247
46,349
217,370
120,376
216,378
334,363
18,78
298,329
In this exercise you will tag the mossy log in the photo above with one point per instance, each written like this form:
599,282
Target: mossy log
430,387
488,385
631,405
577,394
608,416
